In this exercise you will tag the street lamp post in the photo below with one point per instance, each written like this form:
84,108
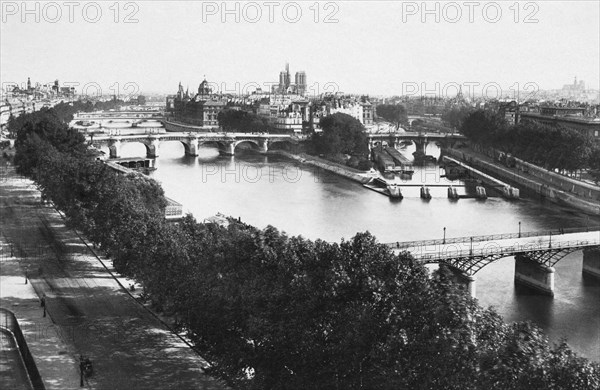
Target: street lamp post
550,244
519,229
471,252
444,241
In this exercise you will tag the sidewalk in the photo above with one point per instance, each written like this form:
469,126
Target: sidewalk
88,310
55,360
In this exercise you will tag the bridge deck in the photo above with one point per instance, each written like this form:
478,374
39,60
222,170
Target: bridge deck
413,135
438,250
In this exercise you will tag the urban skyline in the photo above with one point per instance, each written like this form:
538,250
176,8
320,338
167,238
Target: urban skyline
511,50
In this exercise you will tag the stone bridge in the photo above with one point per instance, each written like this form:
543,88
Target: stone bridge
226,142
420,139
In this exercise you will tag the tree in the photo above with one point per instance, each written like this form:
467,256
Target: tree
272,312
393,113
456,116
243,122
342,134
483,126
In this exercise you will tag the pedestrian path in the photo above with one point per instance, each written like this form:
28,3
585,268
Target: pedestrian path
54,359
90,313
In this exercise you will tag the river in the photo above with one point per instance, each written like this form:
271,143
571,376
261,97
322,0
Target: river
302,200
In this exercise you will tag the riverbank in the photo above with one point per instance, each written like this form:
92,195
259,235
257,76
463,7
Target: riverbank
548,185
329,166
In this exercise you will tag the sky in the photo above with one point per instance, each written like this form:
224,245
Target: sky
374,47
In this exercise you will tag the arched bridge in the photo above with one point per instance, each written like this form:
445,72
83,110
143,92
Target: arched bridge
535,253
226,142
118,115
420,139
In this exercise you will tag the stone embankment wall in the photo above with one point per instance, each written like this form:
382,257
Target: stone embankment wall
9,322
555,187
329,166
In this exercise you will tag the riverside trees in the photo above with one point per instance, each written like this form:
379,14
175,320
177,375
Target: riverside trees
276,312
342,140
549,147
393,113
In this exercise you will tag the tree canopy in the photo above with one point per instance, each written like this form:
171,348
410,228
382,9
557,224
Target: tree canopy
243,122
546,146
276,312
393,113
456,116
342,134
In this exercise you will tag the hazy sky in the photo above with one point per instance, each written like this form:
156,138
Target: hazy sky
377,47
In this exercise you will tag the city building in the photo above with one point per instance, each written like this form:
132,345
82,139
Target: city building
16,100
567,117
575,87
200,110
285,85
358,107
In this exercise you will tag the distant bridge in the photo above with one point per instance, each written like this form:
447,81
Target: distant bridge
119,115
226,142
536,253
420,139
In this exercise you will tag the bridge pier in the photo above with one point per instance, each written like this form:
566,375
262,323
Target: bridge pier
264,146
192,147
421,145
152,150
115,149
532,274
229,149
591,262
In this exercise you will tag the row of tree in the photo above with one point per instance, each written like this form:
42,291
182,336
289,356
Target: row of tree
276,312
113,210
546,146
241,121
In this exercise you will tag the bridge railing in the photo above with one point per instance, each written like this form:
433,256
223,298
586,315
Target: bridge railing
499,251
467,239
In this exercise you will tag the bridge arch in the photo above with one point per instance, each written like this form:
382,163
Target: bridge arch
281,144
115,147
187,148
222,146
251,141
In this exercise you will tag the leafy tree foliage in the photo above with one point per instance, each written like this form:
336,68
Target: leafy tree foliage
483,127
456,116
550,147
37,133
393,113
243,122
342,134
277,312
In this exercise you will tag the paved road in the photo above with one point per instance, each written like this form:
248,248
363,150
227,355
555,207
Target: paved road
129,347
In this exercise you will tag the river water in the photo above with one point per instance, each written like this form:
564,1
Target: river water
302,200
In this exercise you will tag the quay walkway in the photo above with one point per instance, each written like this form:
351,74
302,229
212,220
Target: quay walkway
88,311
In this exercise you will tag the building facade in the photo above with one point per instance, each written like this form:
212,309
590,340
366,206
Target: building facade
285,85
200,110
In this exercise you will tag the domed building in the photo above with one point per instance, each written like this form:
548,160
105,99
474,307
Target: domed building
200,110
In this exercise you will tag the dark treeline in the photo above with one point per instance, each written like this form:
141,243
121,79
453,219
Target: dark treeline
241,121
343,140
276,312
546,146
